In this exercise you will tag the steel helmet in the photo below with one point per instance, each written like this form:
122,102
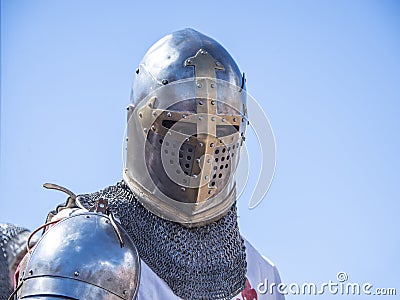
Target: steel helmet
186,125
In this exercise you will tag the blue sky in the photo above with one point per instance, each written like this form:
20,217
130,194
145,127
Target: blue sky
325,72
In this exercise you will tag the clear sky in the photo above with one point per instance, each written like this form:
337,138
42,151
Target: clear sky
327,74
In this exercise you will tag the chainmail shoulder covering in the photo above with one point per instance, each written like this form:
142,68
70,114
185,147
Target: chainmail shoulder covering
9,241
207,262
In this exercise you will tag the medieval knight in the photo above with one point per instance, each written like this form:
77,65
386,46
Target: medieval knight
177,200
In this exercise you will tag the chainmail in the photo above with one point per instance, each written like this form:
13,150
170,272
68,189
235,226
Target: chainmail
207,262
8,233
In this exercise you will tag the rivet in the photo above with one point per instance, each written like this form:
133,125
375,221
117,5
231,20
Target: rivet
76,273
184,116
194,176
206,177
212,102
30,272
199,85
140,115
212,118
186,139
169,114
198,160
189,61
107,221
201,144
200,118
183,189
208,161
212,85
154,113
223,119
203,52
212,145
145,130
201,102
209,192
153,127
234,119
164,81
137,71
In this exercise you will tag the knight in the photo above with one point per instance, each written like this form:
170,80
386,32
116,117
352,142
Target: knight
186,126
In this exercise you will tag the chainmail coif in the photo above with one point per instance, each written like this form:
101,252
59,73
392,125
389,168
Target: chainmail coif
8,232
207,262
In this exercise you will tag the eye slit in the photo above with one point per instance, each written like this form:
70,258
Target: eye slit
225,130
168,123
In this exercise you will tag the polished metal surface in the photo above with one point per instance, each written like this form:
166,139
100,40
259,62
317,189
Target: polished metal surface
188,106
81,257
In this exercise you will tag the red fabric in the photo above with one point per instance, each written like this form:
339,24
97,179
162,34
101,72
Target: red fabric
248,293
